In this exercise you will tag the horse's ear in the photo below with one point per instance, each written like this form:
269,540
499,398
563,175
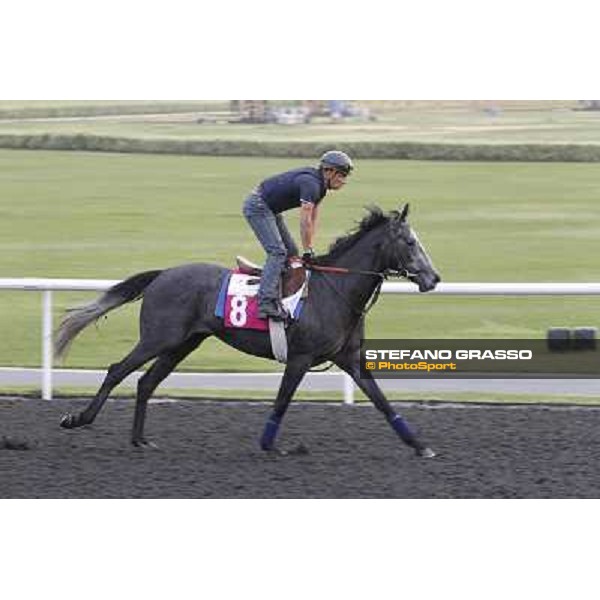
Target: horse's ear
404,212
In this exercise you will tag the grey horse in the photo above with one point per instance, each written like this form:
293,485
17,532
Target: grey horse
178,314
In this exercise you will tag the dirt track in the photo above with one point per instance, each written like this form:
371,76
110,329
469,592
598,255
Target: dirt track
210,450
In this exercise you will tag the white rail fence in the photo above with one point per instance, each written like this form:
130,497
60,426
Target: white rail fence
48,286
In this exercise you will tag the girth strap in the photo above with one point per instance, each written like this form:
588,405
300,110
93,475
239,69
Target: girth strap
278,340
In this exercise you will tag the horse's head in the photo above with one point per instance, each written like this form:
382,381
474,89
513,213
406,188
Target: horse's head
402,251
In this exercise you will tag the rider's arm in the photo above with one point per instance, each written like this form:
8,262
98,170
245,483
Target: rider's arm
315,218
308,214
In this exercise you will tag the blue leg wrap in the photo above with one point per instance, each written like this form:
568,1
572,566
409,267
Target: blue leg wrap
270,433
402,429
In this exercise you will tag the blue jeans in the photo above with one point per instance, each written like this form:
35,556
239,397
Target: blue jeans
275,238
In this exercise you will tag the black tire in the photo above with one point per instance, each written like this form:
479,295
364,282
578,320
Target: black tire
558,339
584,338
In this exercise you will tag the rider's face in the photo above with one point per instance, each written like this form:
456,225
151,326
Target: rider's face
336,179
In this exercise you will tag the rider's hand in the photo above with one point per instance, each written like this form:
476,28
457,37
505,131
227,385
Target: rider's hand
308,256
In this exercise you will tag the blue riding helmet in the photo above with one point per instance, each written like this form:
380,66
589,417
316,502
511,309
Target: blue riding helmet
338,160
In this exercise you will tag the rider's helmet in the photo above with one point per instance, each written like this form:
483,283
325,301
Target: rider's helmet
338,160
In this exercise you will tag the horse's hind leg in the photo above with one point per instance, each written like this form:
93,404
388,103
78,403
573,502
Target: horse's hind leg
161,368
140,355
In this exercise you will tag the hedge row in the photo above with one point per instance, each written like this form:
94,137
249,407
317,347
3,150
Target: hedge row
394,150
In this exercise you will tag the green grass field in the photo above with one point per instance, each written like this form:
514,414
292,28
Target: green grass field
92,215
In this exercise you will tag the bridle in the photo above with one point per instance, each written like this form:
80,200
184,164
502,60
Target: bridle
382,275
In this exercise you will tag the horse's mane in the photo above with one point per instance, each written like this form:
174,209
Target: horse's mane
374,217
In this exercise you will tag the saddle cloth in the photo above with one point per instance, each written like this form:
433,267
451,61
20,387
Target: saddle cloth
238,302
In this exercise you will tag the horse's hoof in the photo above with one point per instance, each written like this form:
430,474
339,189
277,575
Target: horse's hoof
69,421
275,451
299,450
144,444
426,453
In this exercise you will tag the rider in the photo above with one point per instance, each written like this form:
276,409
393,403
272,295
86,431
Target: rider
305,188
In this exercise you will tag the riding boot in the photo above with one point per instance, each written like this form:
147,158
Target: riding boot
272,309
269,293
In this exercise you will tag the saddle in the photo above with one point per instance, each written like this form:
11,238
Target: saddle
237,302
292,279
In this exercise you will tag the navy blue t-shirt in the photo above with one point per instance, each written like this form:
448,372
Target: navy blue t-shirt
284,191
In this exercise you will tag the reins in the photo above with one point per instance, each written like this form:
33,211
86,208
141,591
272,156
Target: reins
383,275
345,271
339,270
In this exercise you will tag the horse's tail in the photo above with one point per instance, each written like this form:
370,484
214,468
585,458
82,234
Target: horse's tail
80,317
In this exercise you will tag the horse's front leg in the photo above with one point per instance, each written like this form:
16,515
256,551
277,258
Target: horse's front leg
295,370
351,364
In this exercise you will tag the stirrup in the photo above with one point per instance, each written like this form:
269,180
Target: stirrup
273,310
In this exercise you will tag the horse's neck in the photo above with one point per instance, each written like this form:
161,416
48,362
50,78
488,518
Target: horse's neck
358,259
361,257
